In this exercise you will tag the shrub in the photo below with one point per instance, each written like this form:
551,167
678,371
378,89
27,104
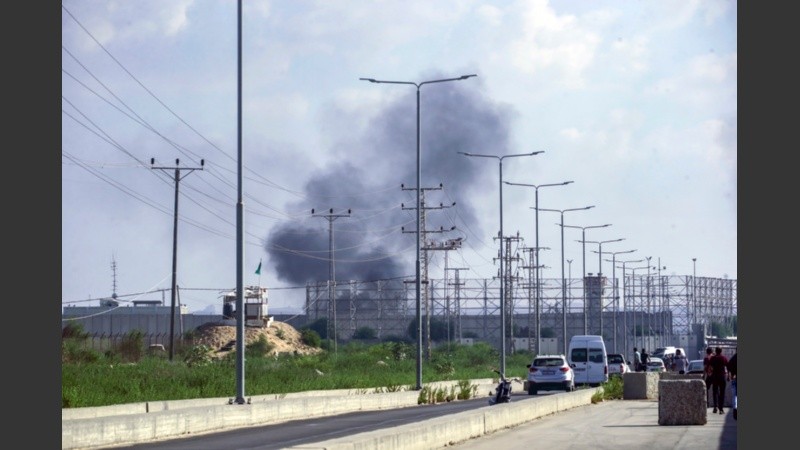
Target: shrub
365,333
131,348
261,347
74,331
310,338
198,355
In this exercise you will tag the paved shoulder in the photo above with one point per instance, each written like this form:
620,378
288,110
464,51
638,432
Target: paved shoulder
613,425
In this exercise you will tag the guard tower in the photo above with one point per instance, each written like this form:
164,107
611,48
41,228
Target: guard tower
255,306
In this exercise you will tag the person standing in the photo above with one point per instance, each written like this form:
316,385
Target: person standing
719,373
637,360
645,360
679,362
732,374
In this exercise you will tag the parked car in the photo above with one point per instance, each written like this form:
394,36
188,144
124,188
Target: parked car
695,366
548,373
617,366
656,364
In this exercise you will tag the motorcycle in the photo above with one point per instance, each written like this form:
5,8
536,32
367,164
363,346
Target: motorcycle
502,392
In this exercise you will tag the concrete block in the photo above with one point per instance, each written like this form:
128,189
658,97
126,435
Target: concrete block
680,402
640,386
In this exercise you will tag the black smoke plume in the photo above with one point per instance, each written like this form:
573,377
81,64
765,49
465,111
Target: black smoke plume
369,243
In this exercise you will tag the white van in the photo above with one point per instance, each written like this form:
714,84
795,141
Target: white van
588,358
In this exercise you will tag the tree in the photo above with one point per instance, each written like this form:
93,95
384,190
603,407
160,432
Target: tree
320,326
365,333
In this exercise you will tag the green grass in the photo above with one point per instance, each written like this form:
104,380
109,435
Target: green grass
100,379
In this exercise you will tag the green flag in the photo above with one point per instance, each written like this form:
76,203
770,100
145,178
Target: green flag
258,271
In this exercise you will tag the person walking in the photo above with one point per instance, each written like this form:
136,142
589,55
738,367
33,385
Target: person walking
734,382
637,360
679,362
719,374
707,372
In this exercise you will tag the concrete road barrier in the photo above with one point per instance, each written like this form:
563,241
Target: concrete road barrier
95,427
448,430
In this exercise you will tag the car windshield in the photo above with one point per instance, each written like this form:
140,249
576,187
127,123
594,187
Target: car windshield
615,359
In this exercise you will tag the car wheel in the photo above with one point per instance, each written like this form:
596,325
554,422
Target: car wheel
532,390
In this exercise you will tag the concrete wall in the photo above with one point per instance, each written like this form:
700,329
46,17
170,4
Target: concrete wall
88,428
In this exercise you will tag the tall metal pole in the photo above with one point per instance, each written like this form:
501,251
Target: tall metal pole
615,290
583,280
694,292
537,264
240,336
174,287
649,318
502,256
331,273
625,304
600,273
419,215
563,280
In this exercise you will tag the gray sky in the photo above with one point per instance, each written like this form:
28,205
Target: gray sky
636,102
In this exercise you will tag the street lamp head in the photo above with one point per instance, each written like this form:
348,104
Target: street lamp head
464,77
371,80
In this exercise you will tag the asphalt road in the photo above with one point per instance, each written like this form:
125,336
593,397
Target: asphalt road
318,429
612,425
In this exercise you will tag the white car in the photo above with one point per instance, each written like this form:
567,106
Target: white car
617,366
550,372
656,364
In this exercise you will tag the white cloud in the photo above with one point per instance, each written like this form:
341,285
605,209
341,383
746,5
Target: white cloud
571,134
708,80
554,42
491,14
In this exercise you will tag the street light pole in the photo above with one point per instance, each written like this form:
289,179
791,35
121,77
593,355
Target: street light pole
694,293
563,281
502,274
583,280
538,264
419,213
600,272
569,277
625,303
614,291
649,318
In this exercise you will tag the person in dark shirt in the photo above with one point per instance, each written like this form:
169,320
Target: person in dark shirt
734,381
719,374
645,359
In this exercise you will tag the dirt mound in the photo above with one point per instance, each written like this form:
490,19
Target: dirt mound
222,338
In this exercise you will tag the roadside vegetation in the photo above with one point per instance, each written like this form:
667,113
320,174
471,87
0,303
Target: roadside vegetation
128,373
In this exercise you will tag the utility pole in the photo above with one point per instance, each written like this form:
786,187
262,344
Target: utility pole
507,282
457,283
450,244
177,177
114,280
422,236
331,273
531,269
